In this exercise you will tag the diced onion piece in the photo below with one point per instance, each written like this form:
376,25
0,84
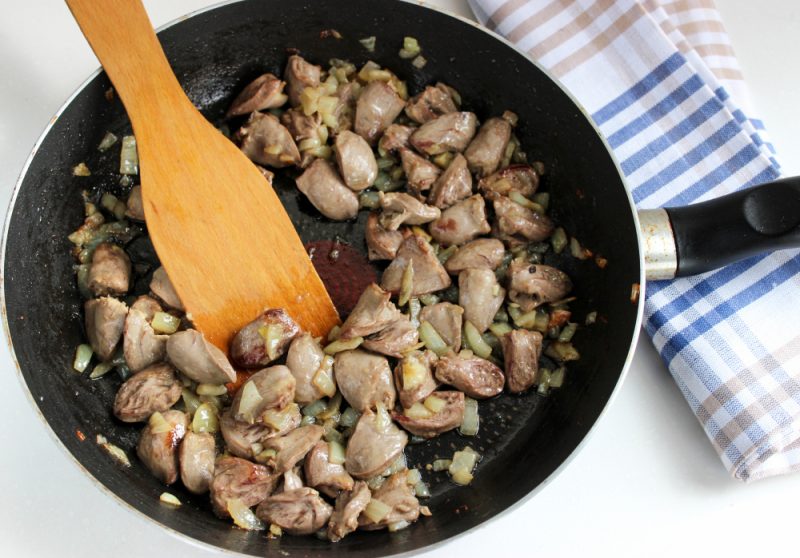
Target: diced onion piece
165,323
376,75
442,464
336,453
559,240
397,466
190,401
542,199
500,328
369,200
280,420
169,499
557,377
417,411
462,477
475,341
323,378
275,530
413,373
518,198
158,424
368,43
407,284
566,334
309,143
591,318
128,157
471,421
315,408
577,250
562,351
332,409
333,334
349,418
410,48
422,491
432,339
243,516
544,382
101,370
116,453
375,482
382,418
445,254
81,170
419,62
343,345
398,525
435,404
83,355
205,419
305,421
211,389
413,477
108,140
464,462
414,308
272,335
376,510
266,455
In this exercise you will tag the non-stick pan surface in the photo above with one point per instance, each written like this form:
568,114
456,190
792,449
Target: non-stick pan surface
523,439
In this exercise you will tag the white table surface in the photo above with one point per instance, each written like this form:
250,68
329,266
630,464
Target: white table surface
647,483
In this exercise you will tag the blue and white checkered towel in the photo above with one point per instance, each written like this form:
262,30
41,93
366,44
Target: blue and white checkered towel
661,81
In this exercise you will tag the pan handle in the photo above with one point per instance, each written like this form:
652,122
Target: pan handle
681,241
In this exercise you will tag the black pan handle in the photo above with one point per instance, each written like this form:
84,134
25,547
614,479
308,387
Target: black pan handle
692,239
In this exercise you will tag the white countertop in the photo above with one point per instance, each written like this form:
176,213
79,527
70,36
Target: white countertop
648,483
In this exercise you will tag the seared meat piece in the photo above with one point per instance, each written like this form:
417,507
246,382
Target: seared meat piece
240,479
381,244
374,445
105,320
346,107
326,191
475,376
156,388
447,419
481,253
329,478
532,285
514,219
299,75
430,104
110,272
521,352
240,436
197,454
480,295
396,493
395,137
395,340
446,319
429,274
198,359
356,160
271,388
298,512
376,109
364,379
249,346
450,132
400,208
161,286
462,222
147,305
413,377
304,360
140,344
292,447
487,149
522,178
420,173
373,312
158,447
302,126
264,92
135,209
453,185
267,142
349,506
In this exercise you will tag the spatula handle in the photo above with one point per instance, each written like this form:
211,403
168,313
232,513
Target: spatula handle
122,37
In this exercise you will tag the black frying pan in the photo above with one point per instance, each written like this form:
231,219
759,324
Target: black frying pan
523,439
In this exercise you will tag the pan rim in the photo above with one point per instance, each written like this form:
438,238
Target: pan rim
438,544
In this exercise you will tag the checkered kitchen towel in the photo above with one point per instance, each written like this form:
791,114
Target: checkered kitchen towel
661,81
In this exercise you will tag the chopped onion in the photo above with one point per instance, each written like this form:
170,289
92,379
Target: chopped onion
544,382
343,345
464,462
81,170
243,516
333,334
461,476
500,328
349,418
413,373
419,62
421,490
568,332
410,48
205,419
305,421
330,434
375,482
376,510
280,419
407,284
315,408
165,323
434,404
369,200
562,351
442,464
83,355
275,530
190,401
518,198
382,418
413,476
332,410
591,318
116,453
266,455
368,43
272,335
108,140
475,341
158,424
211,389
323,378
559,240
432,339
471,421
542,199
101,370
336,453
398,525
557,377
128,157
577,250
169,499
417,411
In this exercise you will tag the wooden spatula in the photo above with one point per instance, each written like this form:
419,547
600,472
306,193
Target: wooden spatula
219,229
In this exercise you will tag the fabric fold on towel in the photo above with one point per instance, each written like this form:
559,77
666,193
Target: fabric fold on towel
661,81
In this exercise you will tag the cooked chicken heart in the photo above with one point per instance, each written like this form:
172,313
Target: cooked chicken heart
159,450
241,479
110,272
356,160
429,274
198,359
376,109
249,346
329,478
521,351
197,455
326,191
481,253
461,222
304,359
447,419
486,150
364,379
476,377
298,512
156,388
267,142
413,377
453,185
374,445
349,506
105,321
271,388
446,319
480,295
264,92
450,132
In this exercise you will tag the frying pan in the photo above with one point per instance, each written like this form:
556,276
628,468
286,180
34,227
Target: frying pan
524,439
